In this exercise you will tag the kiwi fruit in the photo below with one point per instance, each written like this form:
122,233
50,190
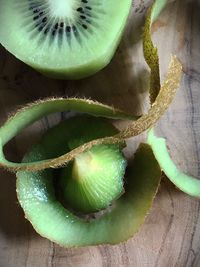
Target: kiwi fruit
94,179
86,182
63,38
36,191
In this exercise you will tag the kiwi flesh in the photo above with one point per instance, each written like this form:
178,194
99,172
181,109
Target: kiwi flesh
86,182
36,194
94,179
63,38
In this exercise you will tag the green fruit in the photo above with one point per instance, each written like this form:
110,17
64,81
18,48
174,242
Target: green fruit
63,39
94,179
50,219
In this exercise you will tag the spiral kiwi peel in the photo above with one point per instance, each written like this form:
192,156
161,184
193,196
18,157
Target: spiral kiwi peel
134,187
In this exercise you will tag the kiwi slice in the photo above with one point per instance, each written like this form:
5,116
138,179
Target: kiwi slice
63,38
36,194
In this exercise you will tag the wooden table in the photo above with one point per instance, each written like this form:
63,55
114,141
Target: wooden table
171,233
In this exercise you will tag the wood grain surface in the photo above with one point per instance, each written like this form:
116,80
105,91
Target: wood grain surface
171,234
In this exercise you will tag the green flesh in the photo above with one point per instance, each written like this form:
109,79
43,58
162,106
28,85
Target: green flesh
51,220
184,182
60,53
95,178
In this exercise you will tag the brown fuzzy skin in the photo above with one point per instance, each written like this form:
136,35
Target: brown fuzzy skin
101,110
167,93
120,114
151,57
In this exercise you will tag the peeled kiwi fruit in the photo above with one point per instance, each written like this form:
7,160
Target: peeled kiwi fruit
86,182
63,38
39,197
94,179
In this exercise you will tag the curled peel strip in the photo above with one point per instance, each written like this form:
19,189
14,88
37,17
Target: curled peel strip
184,182
33,112
162,95
51,220
151,57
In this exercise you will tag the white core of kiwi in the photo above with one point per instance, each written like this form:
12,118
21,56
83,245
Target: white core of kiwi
63,8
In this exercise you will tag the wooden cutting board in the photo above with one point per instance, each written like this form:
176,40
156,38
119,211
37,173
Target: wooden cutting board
171,233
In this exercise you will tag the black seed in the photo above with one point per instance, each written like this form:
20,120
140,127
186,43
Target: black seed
83,17
53,32
84,26
41,13
88,7
80,9
44,19
36,17
62,24
36,10
84,1
56,26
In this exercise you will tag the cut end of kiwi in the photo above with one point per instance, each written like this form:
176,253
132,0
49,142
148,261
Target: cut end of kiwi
95,178
64,38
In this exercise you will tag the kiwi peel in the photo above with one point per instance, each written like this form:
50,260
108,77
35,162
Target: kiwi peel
184,182
35,180
63,39
50,219
35,111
